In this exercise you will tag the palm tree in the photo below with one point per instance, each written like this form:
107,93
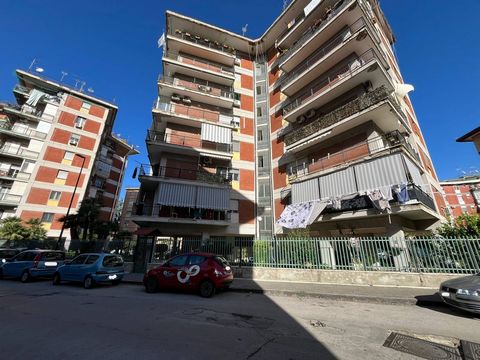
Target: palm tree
12,229
35,230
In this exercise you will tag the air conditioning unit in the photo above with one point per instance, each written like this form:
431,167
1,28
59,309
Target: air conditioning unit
237,61
186,100
235,123
310,113
73,142
236,103
176,97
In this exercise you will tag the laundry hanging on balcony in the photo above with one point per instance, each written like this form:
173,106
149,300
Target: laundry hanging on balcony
217,134
34,97
299,216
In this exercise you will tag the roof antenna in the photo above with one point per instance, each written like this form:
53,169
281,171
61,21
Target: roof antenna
244,29
285,4
64,73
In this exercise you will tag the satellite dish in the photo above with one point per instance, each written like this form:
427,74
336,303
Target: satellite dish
90,90
39,70
259,218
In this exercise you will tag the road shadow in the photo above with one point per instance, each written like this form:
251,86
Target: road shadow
434,303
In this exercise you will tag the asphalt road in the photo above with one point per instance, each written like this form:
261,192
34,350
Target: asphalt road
40,321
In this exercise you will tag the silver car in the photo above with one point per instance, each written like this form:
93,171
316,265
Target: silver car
463,293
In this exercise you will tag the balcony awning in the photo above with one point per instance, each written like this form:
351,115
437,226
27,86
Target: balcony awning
217,134
385,171
216,156
181,195
415,174
213,198
305,191
338,183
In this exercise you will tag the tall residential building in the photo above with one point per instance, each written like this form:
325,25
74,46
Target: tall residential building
125,222
54,139
472,136
311,124
462,196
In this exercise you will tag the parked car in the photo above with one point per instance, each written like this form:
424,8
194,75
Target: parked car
462,293
6,254
91,269
32,264
202,272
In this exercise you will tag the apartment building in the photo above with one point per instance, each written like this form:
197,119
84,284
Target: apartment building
462,196
125,222
57,142
311,124
472,136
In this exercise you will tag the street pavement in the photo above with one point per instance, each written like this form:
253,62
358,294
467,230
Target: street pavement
40,321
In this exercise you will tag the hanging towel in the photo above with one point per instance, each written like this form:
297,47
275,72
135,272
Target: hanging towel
402,193
34,97
378,200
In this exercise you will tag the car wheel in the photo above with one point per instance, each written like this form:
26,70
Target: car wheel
207,289
88,282
116,282
57,279
151,285
25,276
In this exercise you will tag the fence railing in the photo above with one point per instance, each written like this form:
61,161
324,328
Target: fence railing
188,141
425,255
201,63
200,40
14,174
176,213
10,198
20,151
210,175
331,78
23,131
198,85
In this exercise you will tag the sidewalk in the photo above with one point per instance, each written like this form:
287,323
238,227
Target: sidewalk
376,294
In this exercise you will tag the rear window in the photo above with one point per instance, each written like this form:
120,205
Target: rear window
26,256
7,253
220,260
112,261
196,259
91,259
53,256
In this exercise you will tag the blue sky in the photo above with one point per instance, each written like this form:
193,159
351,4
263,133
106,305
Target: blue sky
112,46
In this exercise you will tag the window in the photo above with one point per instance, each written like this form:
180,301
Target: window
86,106
196,259
464,209
26,256
99,183
68,155
178,261
55,195
260,161
79,260
259,135
234,175
47,217
62,174
236,146
79,122
53,256
259,111
112,261
91,259
74,139
236,96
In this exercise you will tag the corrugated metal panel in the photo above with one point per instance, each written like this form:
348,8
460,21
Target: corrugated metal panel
385,171
415,173
177,195
338,183
215,133
305,191
213,198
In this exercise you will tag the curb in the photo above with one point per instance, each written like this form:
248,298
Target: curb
431,300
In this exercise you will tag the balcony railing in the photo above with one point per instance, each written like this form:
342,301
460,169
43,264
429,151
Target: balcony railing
180,213
416,193
206,175
200,63
30,111
351,108
313,31
14,174
322,51
391,141
193,112
203,41
10,198
198,85
21,89
330,79
26,131
187,141
18,151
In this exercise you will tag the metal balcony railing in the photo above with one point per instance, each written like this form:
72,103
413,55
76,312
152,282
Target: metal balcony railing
200,63
322,51
329,79
23,131
21,89
206,175
193,112
187,213
198,85
19,151
203,41
416,193
15,174
313,30
187,141
6,197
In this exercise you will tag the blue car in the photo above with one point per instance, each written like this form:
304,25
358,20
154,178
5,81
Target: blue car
32,264
91,269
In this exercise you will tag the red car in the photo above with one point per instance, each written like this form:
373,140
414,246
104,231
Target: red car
200,272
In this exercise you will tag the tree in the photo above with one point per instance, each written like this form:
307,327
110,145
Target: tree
35,230
465,225
12,229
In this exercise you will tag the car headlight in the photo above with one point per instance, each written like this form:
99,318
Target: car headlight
4,261
468,292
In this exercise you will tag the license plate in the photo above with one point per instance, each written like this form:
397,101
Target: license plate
445,294
112,277
51,263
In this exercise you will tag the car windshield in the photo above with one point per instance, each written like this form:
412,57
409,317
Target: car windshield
7,253
112,261
221,261
53,256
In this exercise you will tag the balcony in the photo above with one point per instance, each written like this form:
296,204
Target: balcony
218,176
377,106
377,146
190,145
192,115
18,151
200,46
25,92
14,174
22,132
193,89
7,199
28,112
146,215
354,39
352,72
195,67
322,29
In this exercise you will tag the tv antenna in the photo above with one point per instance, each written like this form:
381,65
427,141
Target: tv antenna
64,73
285,4
244,29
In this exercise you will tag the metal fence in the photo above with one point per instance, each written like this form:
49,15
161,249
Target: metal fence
424,255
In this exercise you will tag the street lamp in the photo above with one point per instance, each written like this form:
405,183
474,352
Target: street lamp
71,201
